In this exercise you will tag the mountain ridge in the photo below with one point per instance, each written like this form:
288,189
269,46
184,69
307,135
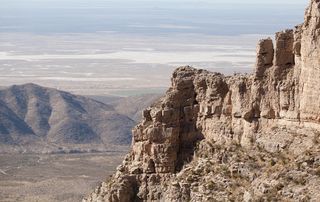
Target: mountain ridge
30,114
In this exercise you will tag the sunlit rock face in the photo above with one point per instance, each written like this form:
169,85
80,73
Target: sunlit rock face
238,138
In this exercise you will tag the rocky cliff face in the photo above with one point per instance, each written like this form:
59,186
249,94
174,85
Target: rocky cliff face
240,138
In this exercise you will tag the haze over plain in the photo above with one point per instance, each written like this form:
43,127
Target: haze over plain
131,47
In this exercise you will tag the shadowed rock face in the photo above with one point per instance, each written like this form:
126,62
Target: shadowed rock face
31,113
240,138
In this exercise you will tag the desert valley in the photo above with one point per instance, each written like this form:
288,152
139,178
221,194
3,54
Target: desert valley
125,101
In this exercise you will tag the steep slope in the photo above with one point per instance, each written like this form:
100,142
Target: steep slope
131,106
30,113
241,138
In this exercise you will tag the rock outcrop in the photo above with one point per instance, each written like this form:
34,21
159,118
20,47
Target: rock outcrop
232,138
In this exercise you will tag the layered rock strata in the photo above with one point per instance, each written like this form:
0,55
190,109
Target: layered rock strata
232,138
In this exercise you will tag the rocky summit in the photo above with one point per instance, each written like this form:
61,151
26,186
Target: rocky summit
232,138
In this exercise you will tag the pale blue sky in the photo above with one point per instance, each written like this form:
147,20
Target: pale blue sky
301,2
214,17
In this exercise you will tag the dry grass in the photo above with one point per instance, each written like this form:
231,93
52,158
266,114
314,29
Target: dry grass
67,177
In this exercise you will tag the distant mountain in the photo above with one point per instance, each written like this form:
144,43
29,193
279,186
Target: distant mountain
130,106
32,114
134,105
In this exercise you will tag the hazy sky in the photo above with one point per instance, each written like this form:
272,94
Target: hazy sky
151,17
213,17
155,2
207,1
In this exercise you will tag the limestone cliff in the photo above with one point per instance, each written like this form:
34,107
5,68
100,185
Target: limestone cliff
232,138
